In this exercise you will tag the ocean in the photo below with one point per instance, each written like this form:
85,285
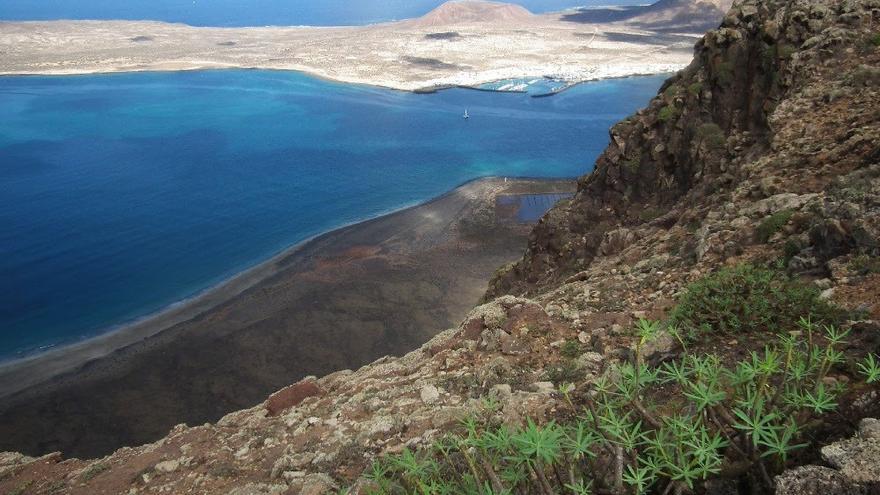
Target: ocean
251,12
123,194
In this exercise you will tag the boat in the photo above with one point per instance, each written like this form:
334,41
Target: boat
466,116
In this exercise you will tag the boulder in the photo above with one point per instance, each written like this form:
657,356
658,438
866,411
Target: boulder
168,466
429,394
317,484
291,396
615,241
857,458
815,480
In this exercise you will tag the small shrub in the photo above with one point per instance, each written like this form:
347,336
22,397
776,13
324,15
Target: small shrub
649,214
791,249
712,135
695,89
566,371
746,298
21,489
571,349
646,429
56,486
768,56
93,471
864,76
772,224
724,73
632,165
146,473
667,113
864,264
784,51
874,39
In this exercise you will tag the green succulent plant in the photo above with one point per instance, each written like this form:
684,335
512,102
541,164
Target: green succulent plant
641,428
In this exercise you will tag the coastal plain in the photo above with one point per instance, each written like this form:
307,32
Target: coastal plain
457,44
339,301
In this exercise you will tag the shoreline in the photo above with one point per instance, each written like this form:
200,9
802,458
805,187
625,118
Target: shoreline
399,55
19,374
473,84
427,90
350,296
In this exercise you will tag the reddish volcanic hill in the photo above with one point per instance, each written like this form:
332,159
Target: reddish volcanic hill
466,11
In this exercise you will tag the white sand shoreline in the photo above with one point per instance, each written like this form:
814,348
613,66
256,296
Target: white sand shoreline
464,83
403,55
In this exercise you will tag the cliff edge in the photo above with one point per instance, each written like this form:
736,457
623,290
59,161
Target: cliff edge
780,100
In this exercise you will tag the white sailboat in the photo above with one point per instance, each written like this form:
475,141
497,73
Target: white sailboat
466,116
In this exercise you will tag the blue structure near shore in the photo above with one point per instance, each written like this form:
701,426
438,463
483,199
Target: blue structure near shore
531,207
537,86
125,193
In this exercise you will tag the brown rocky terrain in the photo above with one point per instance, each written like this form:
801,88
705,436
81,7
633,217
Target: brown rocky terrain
765,150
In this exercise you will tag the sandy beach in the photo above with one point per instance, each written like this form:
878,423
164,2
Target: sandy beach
341,300
459,44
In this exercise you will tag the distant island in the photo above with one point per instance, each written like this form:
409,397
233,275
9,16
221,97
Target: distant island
460,43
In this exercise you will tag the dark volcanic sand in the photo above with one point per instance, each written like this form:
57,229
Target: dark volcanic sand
340,301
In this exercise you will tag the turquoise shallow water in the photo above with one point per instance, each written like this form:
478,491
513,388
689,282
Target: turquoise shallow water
121,194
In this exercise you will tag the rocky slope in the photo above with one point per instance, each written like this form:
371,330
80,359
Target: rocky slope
777,111
765,150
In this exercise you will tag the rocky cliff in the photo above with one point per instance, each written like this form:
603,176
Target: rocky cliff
780,100
765,152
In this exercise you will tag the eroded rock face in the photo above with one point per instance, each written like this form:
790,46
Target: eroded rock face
773,110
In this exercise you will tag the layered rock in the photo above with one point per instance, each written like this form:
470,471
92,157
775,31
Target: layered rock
781,99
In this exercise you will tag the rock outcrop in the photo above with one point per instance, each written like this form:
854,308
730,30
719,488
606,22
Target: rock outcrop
778,109
855,467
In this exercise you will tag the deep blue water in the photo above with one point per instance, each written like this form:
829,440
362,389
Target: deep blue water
121,194
251,12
